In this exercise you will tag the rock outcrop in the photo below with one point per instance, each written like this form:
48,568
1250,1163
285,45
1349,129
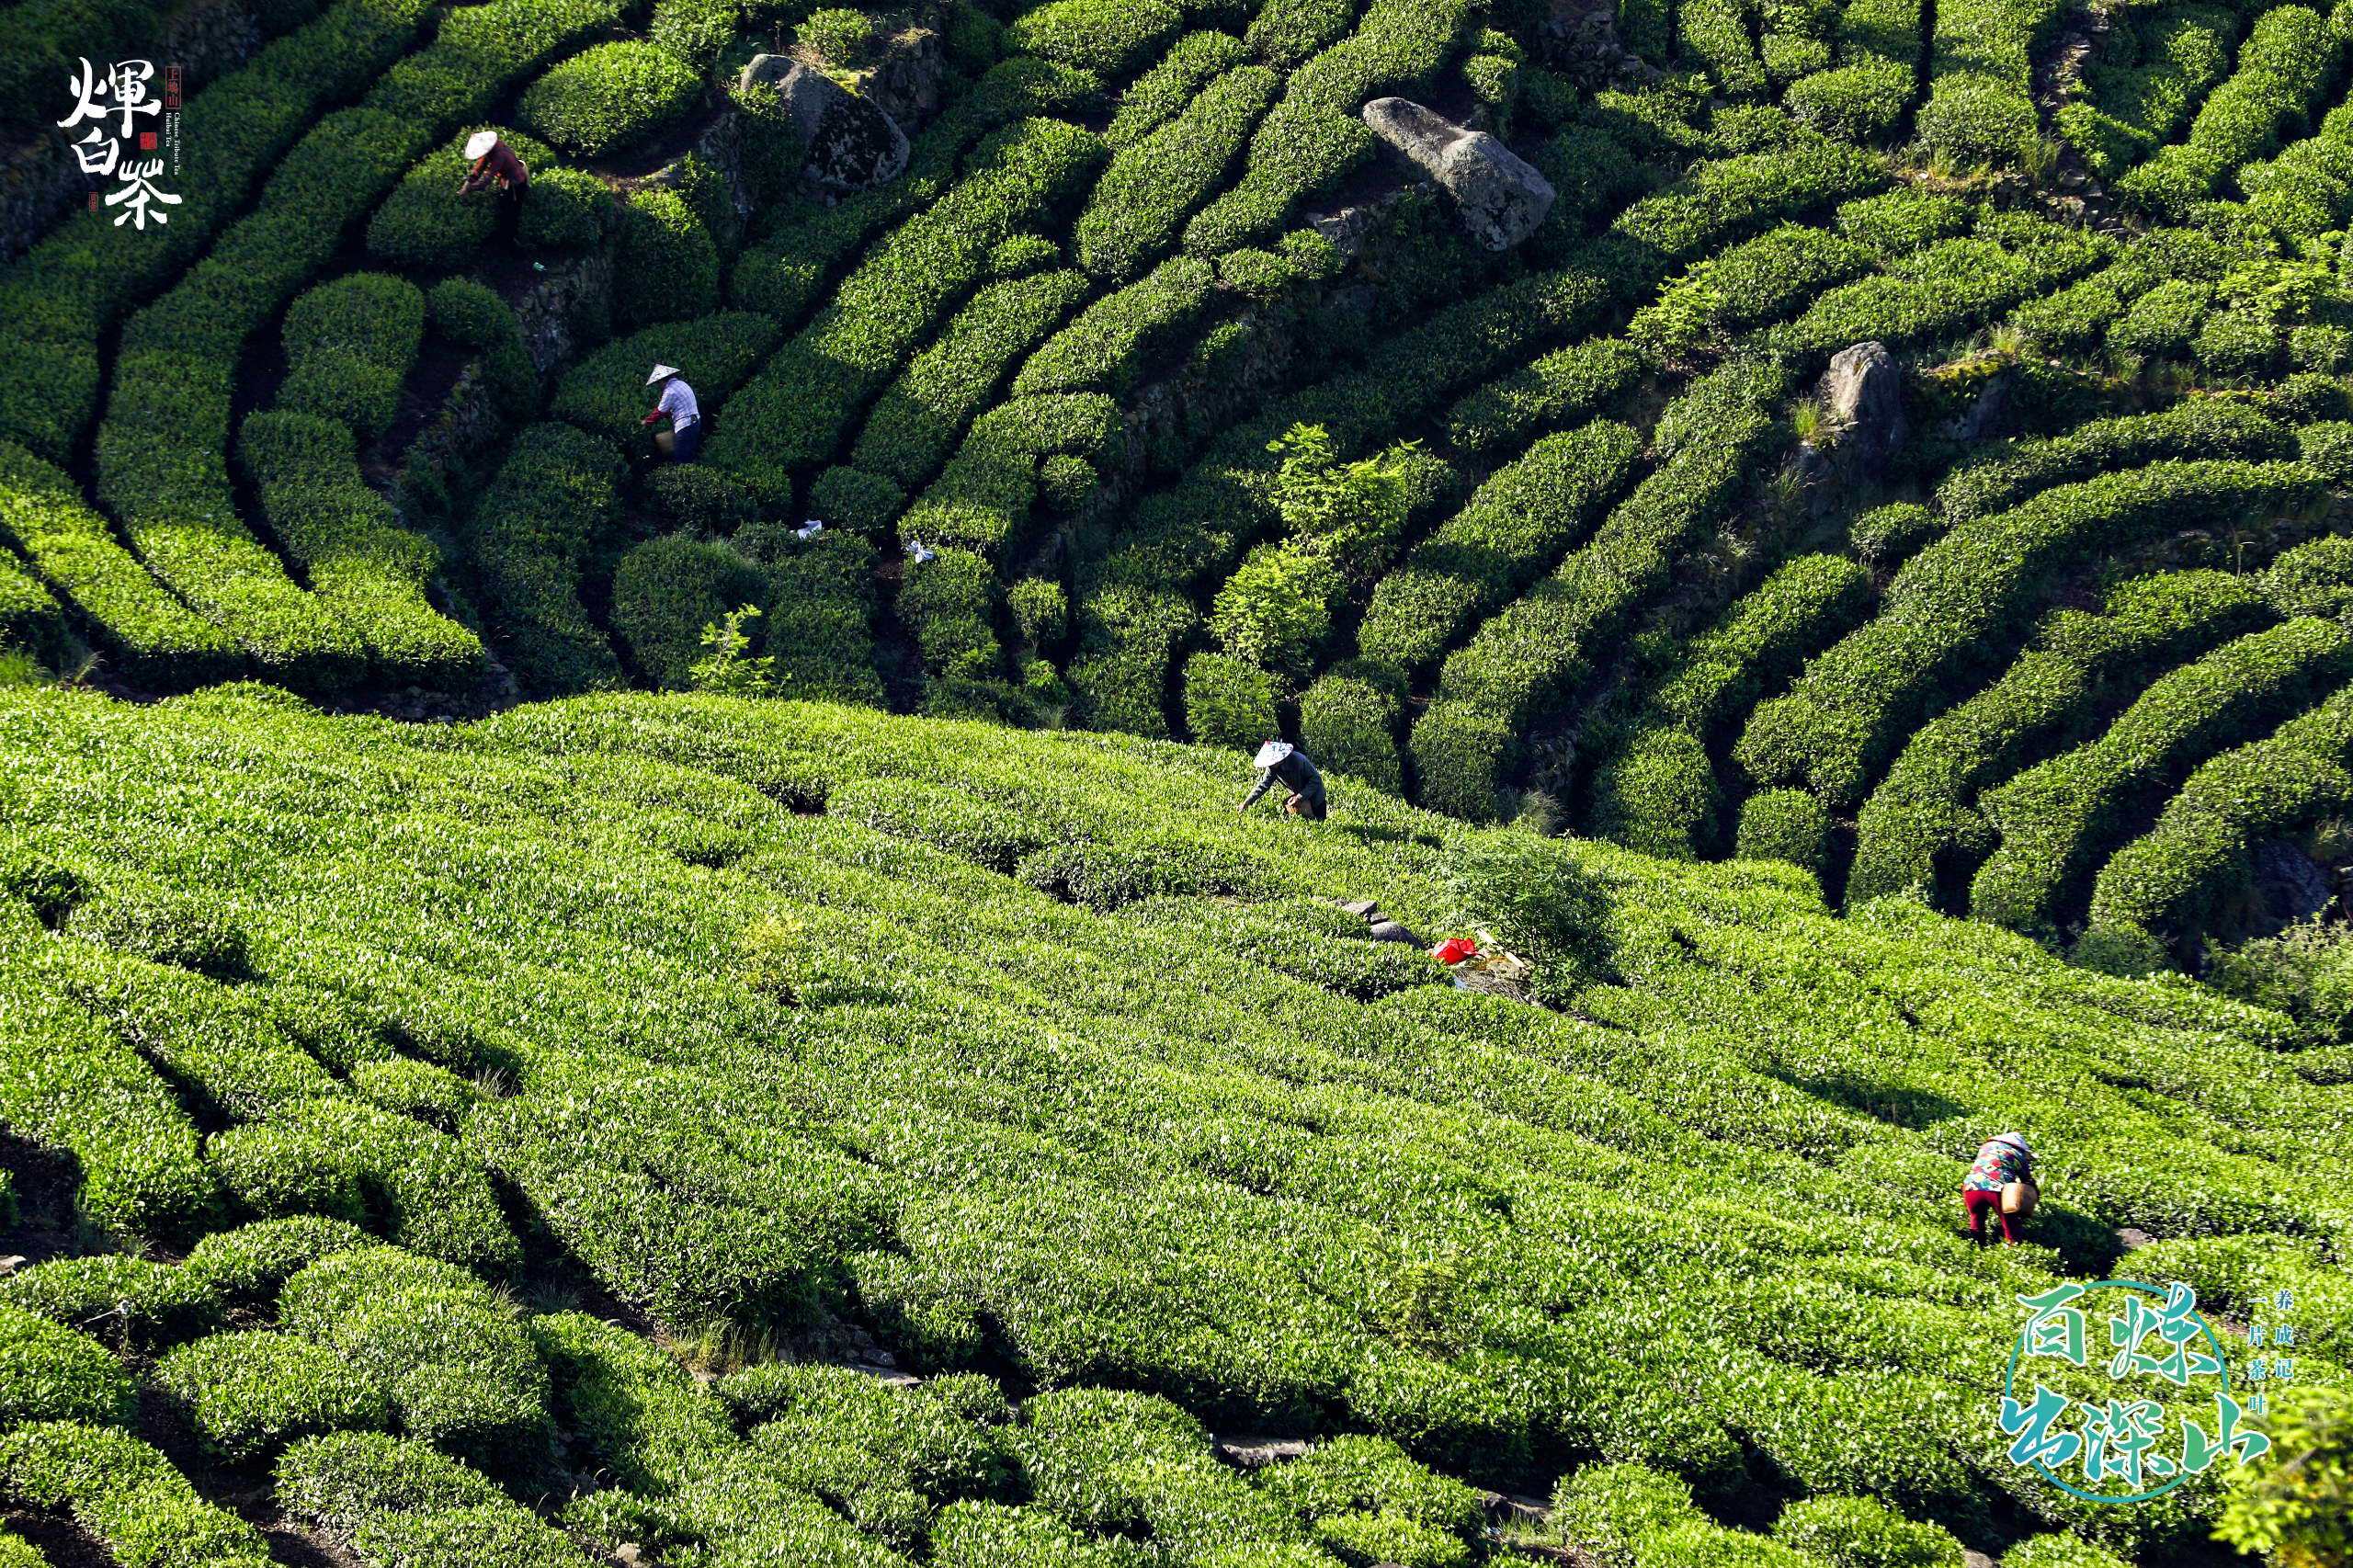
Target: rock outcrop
1500,195
1862,398
852,144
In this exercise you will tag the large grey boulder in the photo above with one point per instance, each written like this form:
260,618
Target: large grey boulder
1862,400
852,144
1500,195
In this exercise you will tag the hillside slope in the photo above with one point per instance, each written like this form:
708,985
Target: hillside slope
2039,617
761,1028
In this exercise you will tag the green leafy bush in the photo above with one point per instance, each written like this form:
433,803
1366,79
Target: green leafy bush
1860,1532
49,1373
2288,60
918,421
2295,1507
305,470
153,922
424,1091
448,1355
1613,1511
1154,183
796,412
1364,1497
1543,902
697,500
986,499
545,510
426,224
1114,341
839,36
819,618
665,262
564,210
1167,90
397,1501
244,1267
140,1303
1111,38
666,591
335,1156
1348,723
609,97
863,503
1229,703
127,1496
2058,819
1924,816
1947,609
249,1395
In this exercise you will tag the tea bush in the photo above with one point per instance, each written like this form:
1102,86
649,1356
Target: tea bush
1945,607
451,1358
2054,816
917,423
796,410
666,590
1153,183
1163,93
1924,814
1105,37
249,1395
2287,61
48,1372
609,98
126,1497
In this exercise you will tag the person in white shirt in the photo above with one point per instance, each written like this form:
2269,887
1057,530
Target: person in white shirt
683,439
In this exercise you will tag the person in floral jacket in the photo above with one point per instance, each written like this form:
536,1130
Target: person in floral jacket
2000,1162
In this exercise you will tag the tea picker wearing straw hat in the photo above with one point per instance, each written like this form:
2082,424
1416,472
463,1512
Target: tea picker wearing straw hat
2001,1182
1281,763
683,439
493,162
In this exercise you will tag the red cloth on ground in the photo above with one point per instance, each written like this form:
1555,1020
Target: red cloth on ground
1979,1204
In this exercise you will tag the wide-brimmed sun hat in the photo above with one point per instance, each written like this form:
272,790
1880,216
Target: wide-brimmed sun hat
2015,1141
1272,753
481,143
660,371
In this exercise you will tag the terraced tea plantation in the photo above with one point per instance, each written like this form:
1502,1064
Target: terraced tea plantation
402,1118
552,1012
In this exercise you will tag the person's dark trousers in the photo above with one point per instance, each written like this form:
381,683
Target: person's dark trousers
687,445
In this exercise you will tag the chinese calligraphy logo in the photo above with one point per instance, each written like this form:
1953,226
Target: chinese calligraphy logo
149,124
2120,1442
